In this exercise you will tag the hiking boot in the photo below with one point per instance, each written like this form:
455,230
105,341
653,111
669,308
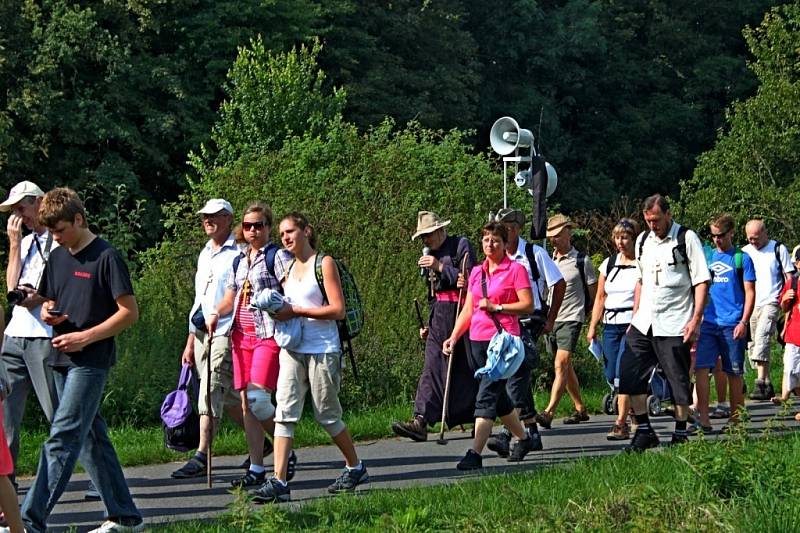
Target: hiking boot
759,391
193,468
415,429
619,432
470,461
349,479
500,443
641,441
250,479
272,491
536,439
267,451
521,449
678,440
577,417
291,466
770,391
544,419
721,412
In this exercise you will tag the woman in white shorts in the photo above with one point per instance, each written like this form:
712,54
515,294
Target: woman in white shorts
312,366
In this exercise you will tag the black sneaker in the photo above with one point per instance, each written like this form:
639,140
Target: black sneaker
500,443
415,429
520,450
194,468
471,461
641,441
268,448
272,491
349,479
291,466
250,479
759,391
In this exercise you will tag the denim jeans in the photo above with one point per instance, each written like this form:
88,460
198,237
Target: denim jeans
77,430
613,343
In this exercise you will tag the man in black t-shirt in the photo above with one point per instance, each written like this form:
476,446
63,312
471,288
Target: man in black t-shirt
89,300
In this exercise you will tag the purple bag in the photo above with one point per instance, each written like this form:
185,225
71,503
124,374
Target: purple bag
180,421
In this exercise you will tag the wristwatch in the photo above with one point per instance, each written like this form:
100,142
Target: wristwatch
498,308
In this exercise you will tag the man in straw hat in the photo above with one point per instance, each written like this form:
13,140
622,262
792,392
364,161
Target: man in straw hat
581,279
441,262
543,274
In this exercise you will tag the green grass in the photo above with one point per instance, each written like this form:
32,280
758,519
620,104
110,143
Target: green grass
742,484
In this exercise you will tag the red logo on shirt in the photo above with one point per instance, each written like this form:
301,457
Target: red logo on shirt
84,275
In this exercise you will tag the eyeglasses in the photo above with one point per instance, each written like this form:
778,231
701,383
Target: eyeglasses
718,235
247,226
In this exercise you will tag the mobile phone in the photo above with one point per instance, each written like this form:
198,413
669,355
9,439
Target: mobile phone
56,312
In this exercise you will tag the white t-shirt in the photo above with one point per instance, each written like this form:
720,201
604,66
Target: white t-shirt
769,275
319,335
24,322
666,302
619,286
549,274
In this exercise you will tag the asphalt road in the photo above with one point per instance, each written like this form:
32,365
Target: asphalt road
392,463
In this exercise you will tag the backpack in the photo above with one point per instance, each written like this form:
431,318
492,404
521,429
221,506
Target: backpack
272,251
738,262
536,275
610,266
588,301
353,321
180,421
680,247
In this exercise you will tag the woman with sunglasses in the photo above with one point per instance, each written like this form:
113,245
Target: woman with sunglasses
314,364
499,292
254,350
614,304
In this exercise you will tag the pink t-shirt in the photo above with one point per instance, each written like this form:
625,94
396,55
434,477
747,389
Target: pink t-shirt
501,287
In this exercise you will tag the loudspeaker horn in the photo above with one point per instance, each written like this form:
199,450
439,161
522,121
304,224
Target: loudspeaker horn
506,136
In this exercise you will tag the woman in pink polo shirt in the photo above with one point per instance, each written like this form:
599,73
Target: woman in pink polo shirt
508,291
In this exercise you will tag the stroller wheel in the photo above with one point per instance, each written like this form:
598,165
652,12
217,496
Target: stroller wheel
615,404
609,403
653,405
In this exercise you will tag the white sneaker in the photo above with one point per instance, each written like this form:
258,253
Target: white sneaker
109,526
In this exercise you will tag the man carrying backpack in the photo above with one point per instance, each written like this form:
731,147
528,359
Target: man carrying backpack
581,286
674,284
440,265
773,269
544,275
724,329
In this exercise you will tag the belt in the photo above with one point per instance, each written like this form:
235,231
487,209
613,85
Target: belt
447,296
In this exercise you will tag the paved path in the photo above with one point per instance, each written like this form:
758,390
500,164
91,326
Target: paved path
392,463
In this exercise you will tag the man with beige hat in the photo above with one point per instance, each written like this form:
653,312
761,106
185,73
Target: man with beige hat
440,263
581,279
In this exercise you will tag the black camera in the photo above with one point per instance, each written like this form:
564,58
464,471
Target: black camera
16,296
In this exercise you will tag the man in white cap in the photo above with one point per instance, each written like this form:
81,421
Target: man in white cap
440,264
213,265
26,346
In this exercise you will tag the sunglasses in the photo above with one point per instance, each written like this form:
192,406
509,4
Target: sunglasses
252,225
718,235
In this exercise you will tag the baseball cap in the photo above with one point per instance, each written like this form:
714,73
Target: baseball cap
215,205
20,191
509,214
796,254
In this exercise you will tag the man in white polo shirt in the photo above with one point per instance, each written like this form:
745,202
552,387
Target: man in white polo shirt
27,351
773,268
674,284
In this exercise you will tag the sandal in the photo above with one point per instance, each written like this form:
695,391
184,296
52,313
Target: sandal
544,419
577,417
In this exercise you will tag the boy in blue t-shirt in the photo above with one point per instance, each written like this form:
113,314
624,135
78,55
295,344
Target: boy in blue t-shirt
724,330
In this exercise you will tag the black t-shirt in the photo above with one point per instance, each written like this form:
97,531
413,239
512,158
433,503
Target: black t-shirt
85,286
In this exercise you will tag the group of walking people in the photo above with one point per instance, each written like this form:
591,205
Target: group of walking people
664,300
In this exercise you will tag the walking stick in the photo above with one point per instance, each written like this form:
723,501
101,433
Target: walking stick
419,315
211,411
441,440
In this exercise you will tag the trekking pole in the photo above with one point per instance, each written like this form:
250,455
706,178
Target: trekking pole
419,314
441,440
208,406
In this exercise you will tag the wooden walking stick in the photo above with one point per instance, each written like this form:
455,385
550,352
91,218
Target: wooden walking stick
210,410
441,439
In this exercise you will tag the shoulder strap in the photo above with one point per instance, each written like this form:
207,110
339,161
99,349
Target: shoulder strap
643,237
236,261
738,263
318,275
612,262
580,262
486,295
269,257
531,255
781,275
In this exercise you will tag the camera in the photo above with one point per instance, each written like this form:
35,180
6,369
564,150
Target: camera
16,296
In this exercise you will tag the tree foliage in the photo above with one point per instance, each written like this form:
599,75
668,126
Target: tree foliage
752,171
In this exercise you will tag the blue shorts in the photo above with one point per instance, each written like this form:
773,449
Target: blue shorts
717,341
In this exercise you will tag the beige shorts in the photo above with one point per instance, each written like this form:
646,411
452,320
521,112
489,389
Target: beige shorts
321,374
222,393
762,327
